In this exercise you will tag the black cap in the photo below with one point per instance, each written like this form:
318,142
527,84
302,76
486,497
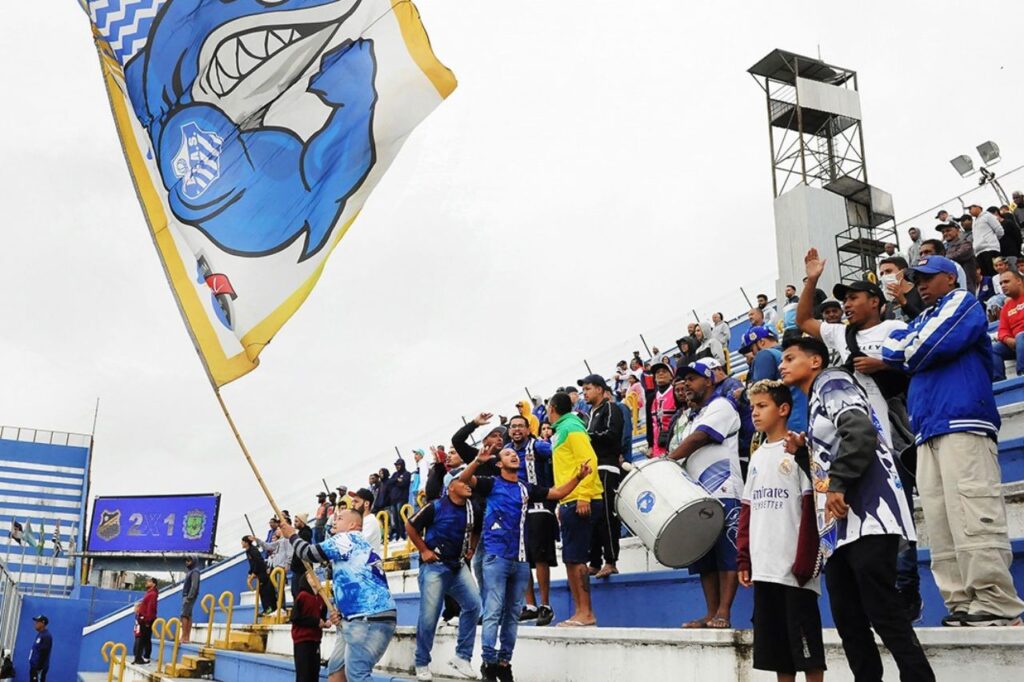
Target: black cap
594,380
364,494
945,226
840,290
831,303
321,495
41,619
940,213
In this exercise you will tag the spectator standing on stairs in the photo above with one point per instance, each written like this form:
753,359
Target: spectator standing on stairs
308,620
948,354
189,594
361,596
145,614
258,568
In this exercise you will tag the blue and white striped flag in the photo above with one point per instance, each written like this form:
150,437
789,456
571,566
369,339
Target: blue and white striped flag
124,24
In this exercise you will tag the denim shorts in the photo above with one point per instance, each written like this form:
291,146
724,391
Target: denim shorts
358,646
577,531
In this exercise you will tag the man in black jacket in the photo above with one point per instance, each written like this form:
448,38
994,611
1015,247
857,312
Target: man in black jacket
298,568
398,496
258,568
605,429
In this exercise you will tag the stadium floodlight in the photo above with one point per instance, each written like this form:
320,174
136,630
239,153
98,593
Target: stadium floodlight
989,152
963,165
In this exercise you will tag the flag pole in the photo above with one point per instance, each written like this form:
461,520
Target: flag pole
314,581
21,568
71,559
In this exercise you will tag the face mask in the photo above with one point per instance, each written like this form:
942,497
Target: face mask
886,280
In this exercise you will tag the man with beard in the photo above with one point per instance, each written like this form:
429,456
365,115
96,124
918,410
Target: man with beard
541,526
707,442
362,502
661,407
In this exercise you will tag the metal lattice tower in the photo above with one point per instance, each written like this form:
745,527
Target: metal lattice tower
814,128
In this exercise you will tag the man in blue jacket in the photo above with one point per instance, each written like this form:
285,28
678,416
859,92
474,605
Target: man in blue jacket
39,659
947,352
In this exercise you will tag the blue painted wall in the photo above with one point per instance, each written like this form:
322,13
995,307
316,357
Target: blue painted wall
118,626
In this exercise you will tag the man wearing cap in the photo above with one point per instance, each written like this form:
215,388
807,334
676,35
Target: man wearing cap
398,496
298,568
959,249
948,354
570,451
661,407
320,520
605,430
943,217
859,349
707,443
764,345
189,594
832,312
39,659
987,233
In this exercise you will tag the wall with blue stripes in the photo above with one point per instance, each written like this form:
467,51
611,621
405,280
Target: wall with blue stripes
42,483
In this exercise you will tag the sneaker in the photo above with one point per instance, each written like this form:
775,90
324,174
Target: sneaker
461,667
489,672
504,673
985,619
955,619
423,673
138,661
528,613
545,615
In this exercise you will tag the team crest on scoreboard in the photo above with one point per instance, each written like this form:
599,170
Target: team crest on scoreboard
194,524
110,524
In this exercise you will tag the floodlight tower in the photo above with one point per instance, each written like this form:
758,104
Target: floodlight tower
819,175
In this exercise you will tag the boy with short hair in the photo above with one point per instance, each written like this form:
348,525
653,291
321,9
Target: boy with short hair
778,545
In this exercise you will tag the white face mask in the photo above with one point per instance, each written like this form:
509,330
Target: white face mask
885,281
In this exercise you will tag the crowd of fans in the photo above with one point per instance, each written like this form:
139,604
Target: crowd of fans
848,406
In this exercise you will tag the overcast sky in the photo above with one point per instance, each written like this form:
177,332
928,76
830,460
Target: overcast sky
602,169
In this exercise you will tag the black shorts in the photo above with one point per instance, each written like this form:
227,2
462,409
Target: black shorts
787,629
541,535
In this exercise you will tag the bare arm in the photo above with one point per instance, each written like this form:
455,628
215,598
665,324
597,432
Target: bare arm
691,444
814,266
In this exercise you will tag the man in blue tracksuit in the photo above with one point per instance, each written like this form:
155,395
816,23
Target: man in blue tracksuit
947,352
39,659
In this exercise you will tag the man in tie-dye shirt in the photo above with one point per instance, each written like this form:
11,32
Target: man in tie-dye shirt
361,596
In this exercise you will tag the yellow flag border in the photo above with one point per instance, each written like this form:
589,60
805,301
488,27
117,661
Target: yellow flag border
220,368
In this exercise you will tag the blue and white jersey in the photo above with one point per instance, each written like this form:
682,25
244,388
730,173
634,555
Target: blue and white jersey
716,466
878,505
360,586
504,525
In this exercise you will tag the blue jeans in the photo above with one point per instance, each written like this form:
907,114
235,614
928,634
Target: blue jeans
359,645
505,583
437,580
1002,353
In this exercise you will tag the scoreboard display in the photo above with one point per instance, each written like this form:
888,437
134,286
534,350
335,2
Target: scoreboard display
167,523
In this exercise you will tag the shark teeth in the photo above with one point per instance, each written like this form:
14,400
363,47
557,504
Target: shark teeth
240,55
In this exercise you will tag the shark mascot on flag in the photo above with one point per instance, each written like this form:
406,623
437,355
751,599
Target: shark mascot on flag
213,146
254,131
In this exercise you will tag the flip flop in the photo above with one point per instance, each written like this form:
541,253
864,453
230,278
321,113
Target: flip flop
695,624
575,624
717,623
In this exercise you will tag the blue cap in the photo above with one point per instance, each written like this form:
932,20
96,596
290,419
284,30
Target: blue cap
931,265
755,334
698,368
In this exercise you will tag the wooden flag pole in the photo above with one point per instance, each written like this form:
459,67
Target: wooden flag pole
314,581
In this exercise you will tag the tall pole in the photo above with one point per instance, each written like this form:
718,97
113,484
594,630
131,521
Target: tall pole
527,389
695,315
746,298
311,575
74,548
587,365
644,341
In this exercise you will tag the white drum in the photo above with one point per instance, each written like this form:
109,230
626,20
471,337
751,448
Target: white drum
674,517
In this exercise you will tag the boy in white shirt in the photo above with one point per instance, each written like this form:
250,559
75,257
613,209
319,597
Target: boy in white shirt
778,545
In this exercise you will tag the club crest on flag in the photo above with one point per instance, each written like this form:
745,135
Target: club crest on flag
110,524
197,163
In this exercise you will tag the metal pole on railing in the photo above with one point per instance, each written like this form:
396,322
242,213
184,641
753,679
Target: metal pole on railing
644,341
746,298
587,365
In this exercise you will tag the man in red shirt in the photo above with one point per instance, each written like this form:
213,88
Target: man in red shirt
145,614
308,620
1009,343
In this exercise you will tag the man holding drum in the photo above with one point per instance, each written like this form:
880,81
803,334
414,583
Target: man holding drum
708,443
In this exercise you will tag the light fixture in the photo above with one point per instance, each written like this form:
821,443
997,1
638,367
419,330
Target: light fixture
964,165
989,152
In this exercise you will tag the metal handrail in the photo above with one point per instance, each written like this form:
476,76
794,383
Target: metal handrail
211,608
226,602
278,579
158,628
110,651
253,583
384,519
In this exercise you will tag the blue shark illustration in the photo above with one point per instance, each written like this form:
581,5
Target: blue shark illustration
202,86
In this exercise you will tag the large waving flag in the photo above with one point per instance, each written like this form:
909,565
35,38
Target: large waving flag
254,131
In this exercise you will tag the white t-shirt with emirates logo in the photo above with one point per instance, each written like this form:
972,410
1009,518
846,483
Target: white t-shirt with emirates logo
774,490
